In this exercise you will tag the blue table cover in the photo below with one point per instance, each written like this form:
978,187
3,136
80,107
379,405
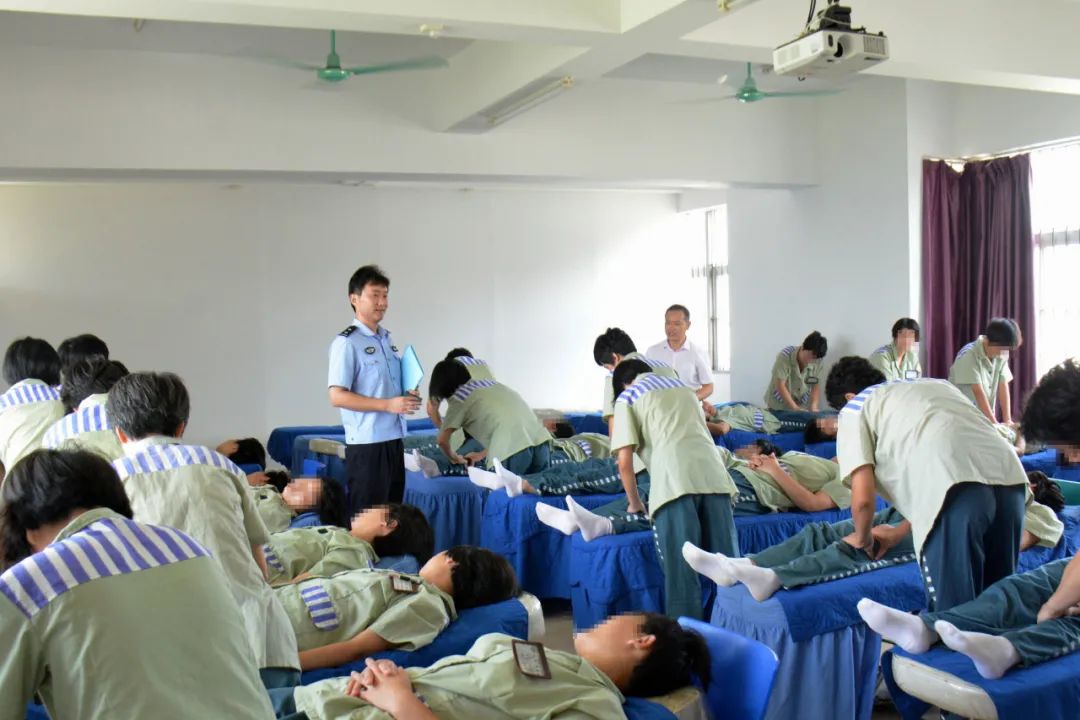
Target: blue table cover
825,449
453,506
587,422
279,446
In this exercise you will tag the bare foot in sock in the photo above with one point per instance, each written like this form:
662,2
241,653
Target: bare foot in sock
715,566
415,462
485,479
561,520
906,630
761,582
592,525
993,655
513,483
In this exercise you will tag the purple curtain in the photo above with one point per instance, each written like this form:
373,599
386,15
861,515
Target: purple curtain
978,261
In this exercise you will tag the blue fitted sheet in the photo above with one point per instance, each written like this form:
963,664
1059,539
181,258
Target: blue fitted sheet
587,422
453,506
280,444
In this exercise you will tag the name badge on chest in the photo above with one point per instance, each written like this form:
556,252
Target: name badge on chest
911,374
403,585
531,660
812,380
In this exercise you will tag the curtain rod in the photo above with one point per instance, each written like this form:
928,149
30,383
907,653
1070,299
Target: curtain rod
1008,153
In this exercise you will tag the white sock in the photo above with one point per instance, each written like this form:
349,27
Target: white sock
561,520
741,561
485,479
592,525
415,462
761,582
715,566
993,656
906,630
412,461
512,482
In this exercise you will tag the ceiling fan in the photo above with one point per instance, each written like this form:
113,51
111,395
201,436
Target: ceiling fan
333,72
748,92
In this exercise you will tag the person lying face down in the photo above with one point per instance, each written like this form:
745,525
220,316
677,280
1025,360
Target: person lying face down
303,502
378,532
357,613
639,655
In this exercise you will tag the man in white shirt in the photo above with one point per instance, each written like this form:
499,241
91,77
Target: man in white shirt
678,352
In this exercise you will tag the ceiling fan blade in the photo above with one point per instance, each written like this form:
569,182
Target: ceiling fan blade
426,63
803,93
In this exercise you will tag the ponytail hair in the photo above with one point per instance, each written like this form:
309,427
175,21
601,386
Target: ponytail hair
678,656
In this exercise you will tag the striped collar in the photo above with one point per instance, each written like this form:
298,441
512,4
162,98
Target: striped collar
161,457
28,392
855,404
647,383
91,418
472,386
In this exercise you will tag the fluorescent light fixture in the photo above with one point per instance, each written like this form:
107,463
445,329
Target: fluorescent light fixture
527,102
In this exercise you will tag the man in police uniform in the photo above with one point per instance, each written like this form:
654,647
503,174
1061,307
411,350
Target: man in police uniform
365,383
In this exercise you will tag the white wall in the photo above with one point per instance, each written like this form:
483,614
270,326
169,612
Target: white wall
241,290
987,120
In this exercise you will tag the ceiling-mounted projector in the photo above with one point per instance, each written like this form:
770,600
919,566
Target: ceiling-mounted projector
830,47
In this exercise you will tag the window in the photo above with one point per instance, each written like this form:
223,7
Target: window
718,288
1055,218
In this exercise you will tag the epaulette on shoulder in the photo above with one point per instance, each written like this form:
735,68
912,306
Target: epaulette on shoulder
348,331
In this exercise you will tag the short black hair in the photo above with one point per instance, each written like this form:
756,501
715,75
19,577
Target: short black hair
852,374
458,352
31,358
94,375
446,377
905,323
816,343
78,348
1052,412
625,372
148,403
564,430
610,343
277,479
332,508
1046,492
249,451
412,536
364,276
480,577
814,434
679,308
46,486
1002,332
677,656
767,447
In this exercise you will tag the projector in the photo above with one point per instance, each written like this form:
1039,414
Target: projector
831,49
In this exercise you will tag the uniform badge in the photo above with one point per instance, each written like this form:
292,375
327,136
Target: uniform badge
911,374
348,331
394,348
811,380
531,660
370,349
403,584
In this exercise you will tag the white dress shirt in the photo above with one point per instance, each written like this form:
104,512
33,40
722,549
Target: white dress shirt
687,361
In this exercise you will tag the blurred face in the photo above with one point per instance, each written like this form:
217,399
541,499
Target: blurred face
806,357
371,303
998,351
905,340
302,494
746,452
675,326
372,523
437,571
828,425
1071,453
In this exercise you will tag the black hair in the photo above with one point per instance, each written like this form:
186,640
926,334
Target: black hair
816,343
446,377
612,342
249,451
851,374
677,656
480,577
364,276
680,308
90,376
458,352
814,434
412,536
46,486
1046,491
1002,332
148,403
1052,412
564,430
767,447
331,507
79,348
277,479
31,359
905,323
625,372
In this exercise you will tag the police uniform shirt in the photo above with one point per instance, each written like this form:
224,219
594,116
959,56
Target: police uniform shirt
584,446
922,437
658,368
123,620
661,418
973,367
204,494
319,551
813,473
367,363
478,369
885,360
748,418
88,428
799,382
271,507
27,410
329,610
484,684
496,416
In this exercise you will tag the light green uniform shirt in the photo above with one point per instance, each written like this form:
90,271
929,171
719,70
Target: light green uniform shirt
922,437
165,641
813,473
973,367
23,425
658,368
335,609
1042,522
320,551
496,416
748,418
478,369
75,431
271,507
661,417
799,382
584,446
485,684
212,505
885,360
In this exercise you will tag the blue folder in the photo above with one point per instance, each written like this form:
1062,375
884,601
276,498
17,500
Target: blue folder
411,372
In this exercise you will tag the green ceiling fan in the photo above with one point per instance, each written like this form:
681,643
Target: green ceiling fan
333,72
748,92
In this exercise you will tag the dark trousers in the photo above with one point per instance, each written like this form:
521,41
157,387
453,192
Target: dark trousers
375,473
